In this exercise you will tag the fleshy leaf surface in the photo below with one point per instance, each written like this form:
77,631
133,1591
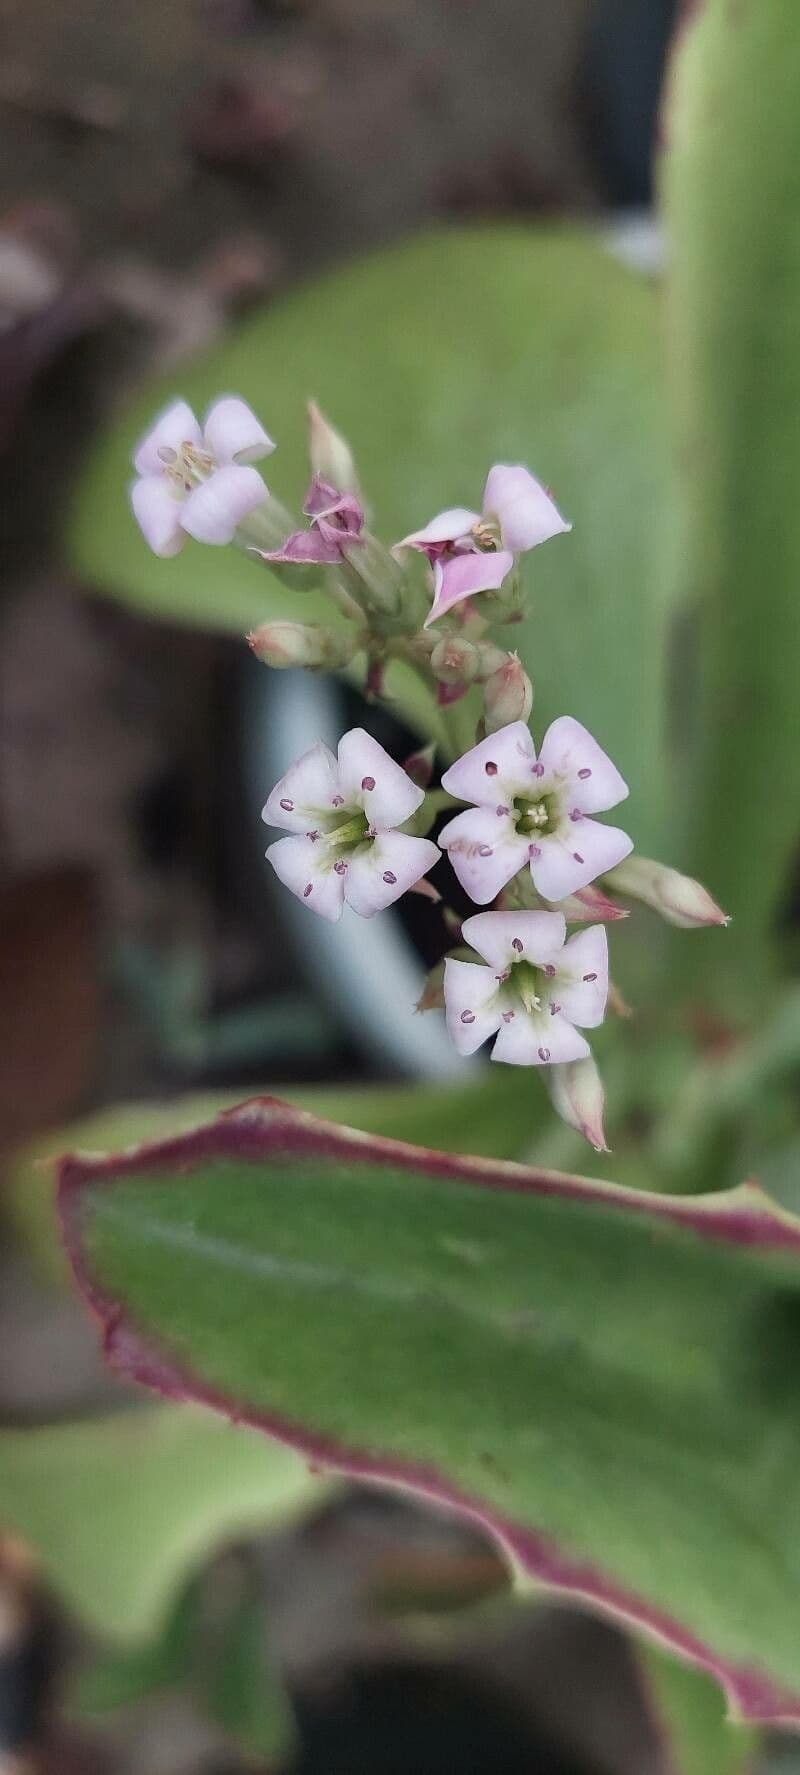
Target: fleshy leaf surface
121,1509
731,174
608,1381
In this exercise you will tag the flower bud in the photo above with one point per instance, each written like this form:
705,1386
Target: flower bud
679,899
283,644
490,659
508,695
576,1091
455,661
419,766
330,455
591,906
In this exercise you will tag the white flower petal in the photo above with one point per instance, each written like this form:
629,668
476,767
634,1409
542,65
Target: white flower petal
157,510
212,511
569,860
569,754
382,870
305,796
472,1004
496,770
537,1040
581,983
485,852
307,870
503,938
175,426
449,526
234,434
371,780
524,510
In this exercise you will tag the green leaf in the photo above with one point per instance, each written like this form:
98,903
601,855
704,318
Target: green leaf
689,1713
533,346
607,1380
489,1116
243,1691
122,1674
732,185
121,1509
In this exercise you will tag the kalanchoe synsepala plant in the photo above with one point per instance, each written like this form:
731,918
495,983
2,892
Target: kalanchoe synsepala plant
528,843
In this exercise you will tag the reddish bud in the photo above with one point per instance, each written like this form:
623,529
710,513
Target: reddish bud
508,695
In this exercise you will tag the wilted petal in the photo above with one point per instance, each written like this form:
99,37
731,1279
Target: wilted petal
380,872
304,798
157,510
457,577
581,983
305,868
485,852
304,548
213,510
448,527
538,1040
565,864
175,426
325,501
503,938
472,1004
569,753
496,770
370,779
524,510
234,434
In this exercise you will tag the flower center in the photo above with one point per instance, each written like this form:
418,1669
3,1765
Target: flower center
346,838
186,467
486,536
536,819
526,983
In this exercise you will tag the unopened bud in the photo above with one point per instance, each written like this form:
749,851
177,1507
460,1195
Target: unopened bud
577,1094
508,695
419,766
283,644
452,922
679,899
590,905
490,659
455,661
329,453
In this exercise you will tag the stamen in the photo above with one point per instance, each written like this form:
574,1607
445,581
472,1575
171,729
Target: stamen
577,856
576,814
500,810
508,1016
313,836
538,770
588,977
167,455
484,850
468,1016
389,878
338,801
307,890
550,970
491,768
534,851
544,1054
516,943
288,807
583,774
554,1009
367,782
340,868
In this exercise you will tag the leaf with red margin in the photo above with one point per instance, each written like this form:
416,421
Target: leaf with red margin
608,1381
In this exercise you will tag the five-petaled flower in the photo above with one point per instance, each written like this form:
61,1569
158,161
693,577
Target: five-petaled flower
474,551
198,480
533,990
336,519
343,814
534,811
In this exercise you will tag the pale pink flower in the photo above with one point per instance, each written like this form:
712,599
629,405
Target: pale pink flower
533,991
474,551
534,811
336,519
342,813
198,480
